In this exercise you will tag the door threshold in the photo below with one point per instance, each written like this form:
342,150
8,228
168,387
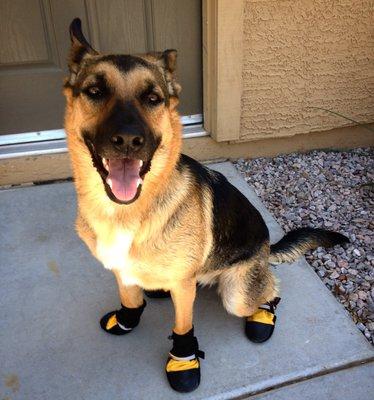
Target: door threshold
54,141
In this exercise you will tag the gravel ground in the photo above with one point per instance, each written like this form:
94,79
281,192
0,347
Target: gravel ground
332,190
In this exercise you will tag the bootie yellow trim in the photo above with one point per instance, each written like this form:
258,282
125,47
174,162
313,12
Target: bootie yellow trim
263,316
112,321
175,365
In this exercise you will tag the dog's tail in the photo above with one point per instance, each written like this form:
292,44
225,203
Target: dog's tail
297,242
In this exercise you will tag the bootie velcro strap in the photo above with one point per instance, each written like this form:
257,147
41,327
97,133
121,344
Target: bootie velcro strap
260,326
183,366
185,345
120,322
272,304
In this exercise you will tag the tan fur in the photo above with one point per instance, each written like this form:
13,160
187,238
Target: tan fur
183,296
234,283
132,296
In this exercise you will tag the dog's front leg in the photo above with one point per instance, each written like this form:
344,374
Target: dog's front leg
183,366
120,322
131,296
183,296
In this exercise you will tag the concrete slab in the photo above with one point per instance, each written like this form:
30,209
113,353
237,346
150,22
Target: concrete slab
353,384
53,294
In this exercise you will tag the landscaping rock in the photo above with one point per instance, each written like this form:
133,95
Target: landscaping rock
332,190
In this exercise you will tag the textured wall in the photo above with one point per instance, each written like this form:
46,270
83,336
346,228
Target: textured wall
304,53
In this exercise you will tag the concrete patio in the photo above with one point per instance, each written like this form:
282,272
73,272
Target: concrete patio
53,293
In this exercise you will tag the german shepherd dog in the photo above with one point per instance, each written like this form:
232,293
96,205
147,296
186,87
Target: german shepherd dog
159,220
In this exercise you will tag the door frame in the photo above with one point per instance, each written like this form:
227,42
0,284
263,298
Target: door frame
222,67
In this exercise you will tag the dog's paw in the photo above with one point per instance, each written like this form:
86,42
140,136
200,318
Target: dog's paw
183,365
110,324
259,327
120,322
183,376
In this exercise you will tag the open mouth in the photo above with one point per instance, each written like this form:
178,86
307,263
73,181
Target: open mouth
122,177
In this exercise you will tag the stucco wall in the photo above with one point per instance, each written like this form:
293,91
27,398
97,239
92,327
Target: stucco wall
304,53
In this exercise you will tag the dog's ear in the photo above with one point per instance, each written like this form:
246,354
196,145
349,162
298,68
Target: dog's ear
169,60
167,63
80,49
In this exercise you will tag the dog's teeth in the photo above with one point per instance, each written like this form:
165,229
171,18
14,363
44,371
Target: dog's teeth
139,181
105,163
141,163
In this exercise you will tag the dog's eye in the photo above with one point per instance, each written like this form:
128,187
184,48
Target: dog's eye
153,99
94,92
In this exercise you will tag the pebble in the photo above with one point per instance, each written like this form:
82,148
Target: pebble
353,296
334,190
334,275
361,326
343,263
341,289
362,295
360,304
370,326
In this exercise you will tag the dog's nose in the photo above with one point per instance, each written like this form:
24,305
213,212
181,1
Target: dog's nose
127,142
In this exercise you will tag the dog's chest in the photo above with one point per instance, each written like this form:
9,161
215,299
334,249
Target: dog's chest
114,252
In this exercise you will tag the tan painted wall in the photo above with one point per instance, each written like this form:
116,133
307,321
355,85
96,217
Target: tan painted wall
303,53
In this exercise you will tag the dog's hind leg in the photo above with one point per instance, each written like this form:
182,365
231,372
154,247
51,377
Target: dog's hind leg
120,322
249,290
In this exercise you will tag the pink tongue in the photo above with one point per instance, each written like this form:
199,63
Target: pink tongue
123,178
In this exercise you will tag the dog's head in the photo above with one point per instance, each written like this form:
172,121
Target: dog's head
120,108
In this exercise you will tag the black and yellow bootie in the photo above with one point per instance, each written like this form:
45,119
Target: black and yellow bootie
120,322
260,326
183,365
